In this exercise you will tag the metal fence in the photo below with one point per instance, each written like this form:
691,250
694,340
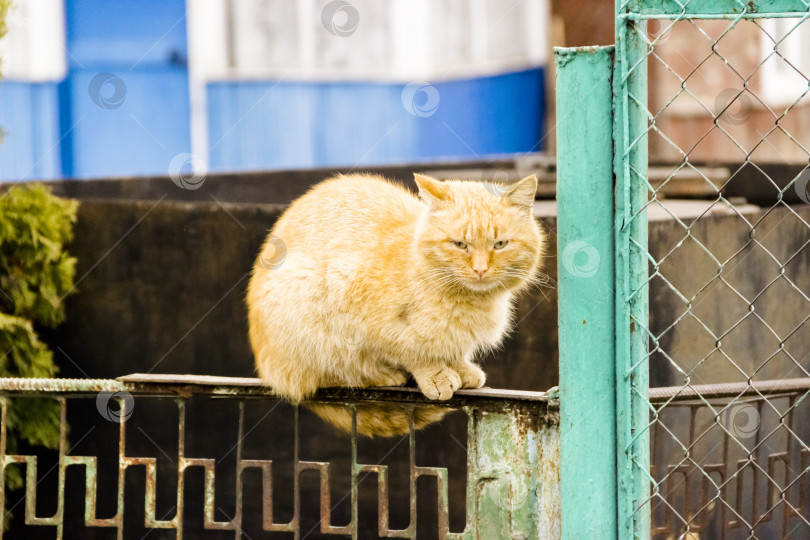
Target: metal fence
709,411
696,81
726,461
508,489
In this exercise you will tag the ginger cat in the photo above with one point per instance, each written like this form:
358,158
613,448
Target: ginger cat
378,284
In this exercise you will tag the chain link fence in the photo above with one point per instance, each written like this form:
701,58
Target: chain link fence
728,272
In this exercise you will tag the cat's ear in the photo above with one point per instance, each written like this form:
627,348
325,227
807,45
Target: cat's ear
430,189
522,193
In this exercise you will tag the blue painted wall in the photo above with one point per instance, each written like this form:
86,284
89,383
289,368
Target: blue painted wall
29,119
139,136
135,119
278,124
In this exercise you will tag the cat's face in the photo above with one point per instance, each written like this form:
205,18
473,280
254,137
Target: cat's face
476,238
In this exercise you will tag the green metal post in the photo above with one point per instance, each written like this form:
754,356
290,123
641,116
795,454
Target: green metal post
632,298
513,476
586,292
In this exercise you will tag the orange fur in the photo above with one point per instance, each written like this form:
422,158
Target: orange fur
378,283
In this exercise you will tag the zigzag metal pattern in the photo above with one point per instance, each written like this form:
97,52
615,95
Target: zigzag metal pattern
512,452
151,521
765,484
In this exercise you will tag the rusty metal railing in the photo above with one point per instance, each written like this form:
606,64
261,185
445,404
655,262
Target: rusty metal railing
512,455
731,458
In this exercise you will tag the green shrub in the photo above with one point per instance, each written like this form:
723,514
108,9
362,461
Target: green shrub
36,274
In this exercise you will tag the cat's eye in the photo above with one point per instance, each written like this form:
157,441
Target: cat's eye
500,244
459,245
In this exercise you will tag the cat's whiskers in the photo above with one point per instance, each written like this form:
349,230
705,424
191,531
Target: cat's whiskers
444,279
539,280
438,276
430,276
432,283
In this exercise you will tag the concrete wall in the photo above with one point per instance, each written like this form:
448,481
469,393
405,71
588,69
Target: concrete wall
161,287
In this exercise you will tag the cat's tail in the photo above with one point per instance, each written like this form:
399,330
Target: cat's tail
378,420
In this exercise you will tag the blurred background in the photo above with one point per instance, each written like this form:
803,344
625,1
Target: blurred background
99,89
95,88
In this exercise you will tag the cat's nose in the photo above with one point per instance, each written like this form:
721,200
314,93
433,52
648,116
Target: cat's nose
480,264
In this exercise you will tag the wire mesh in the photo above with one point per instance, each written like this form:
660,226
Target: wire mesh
728,273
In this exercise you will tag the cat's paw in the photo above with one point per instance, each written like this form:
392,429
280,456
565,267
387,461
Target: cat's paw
439,384
472,376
